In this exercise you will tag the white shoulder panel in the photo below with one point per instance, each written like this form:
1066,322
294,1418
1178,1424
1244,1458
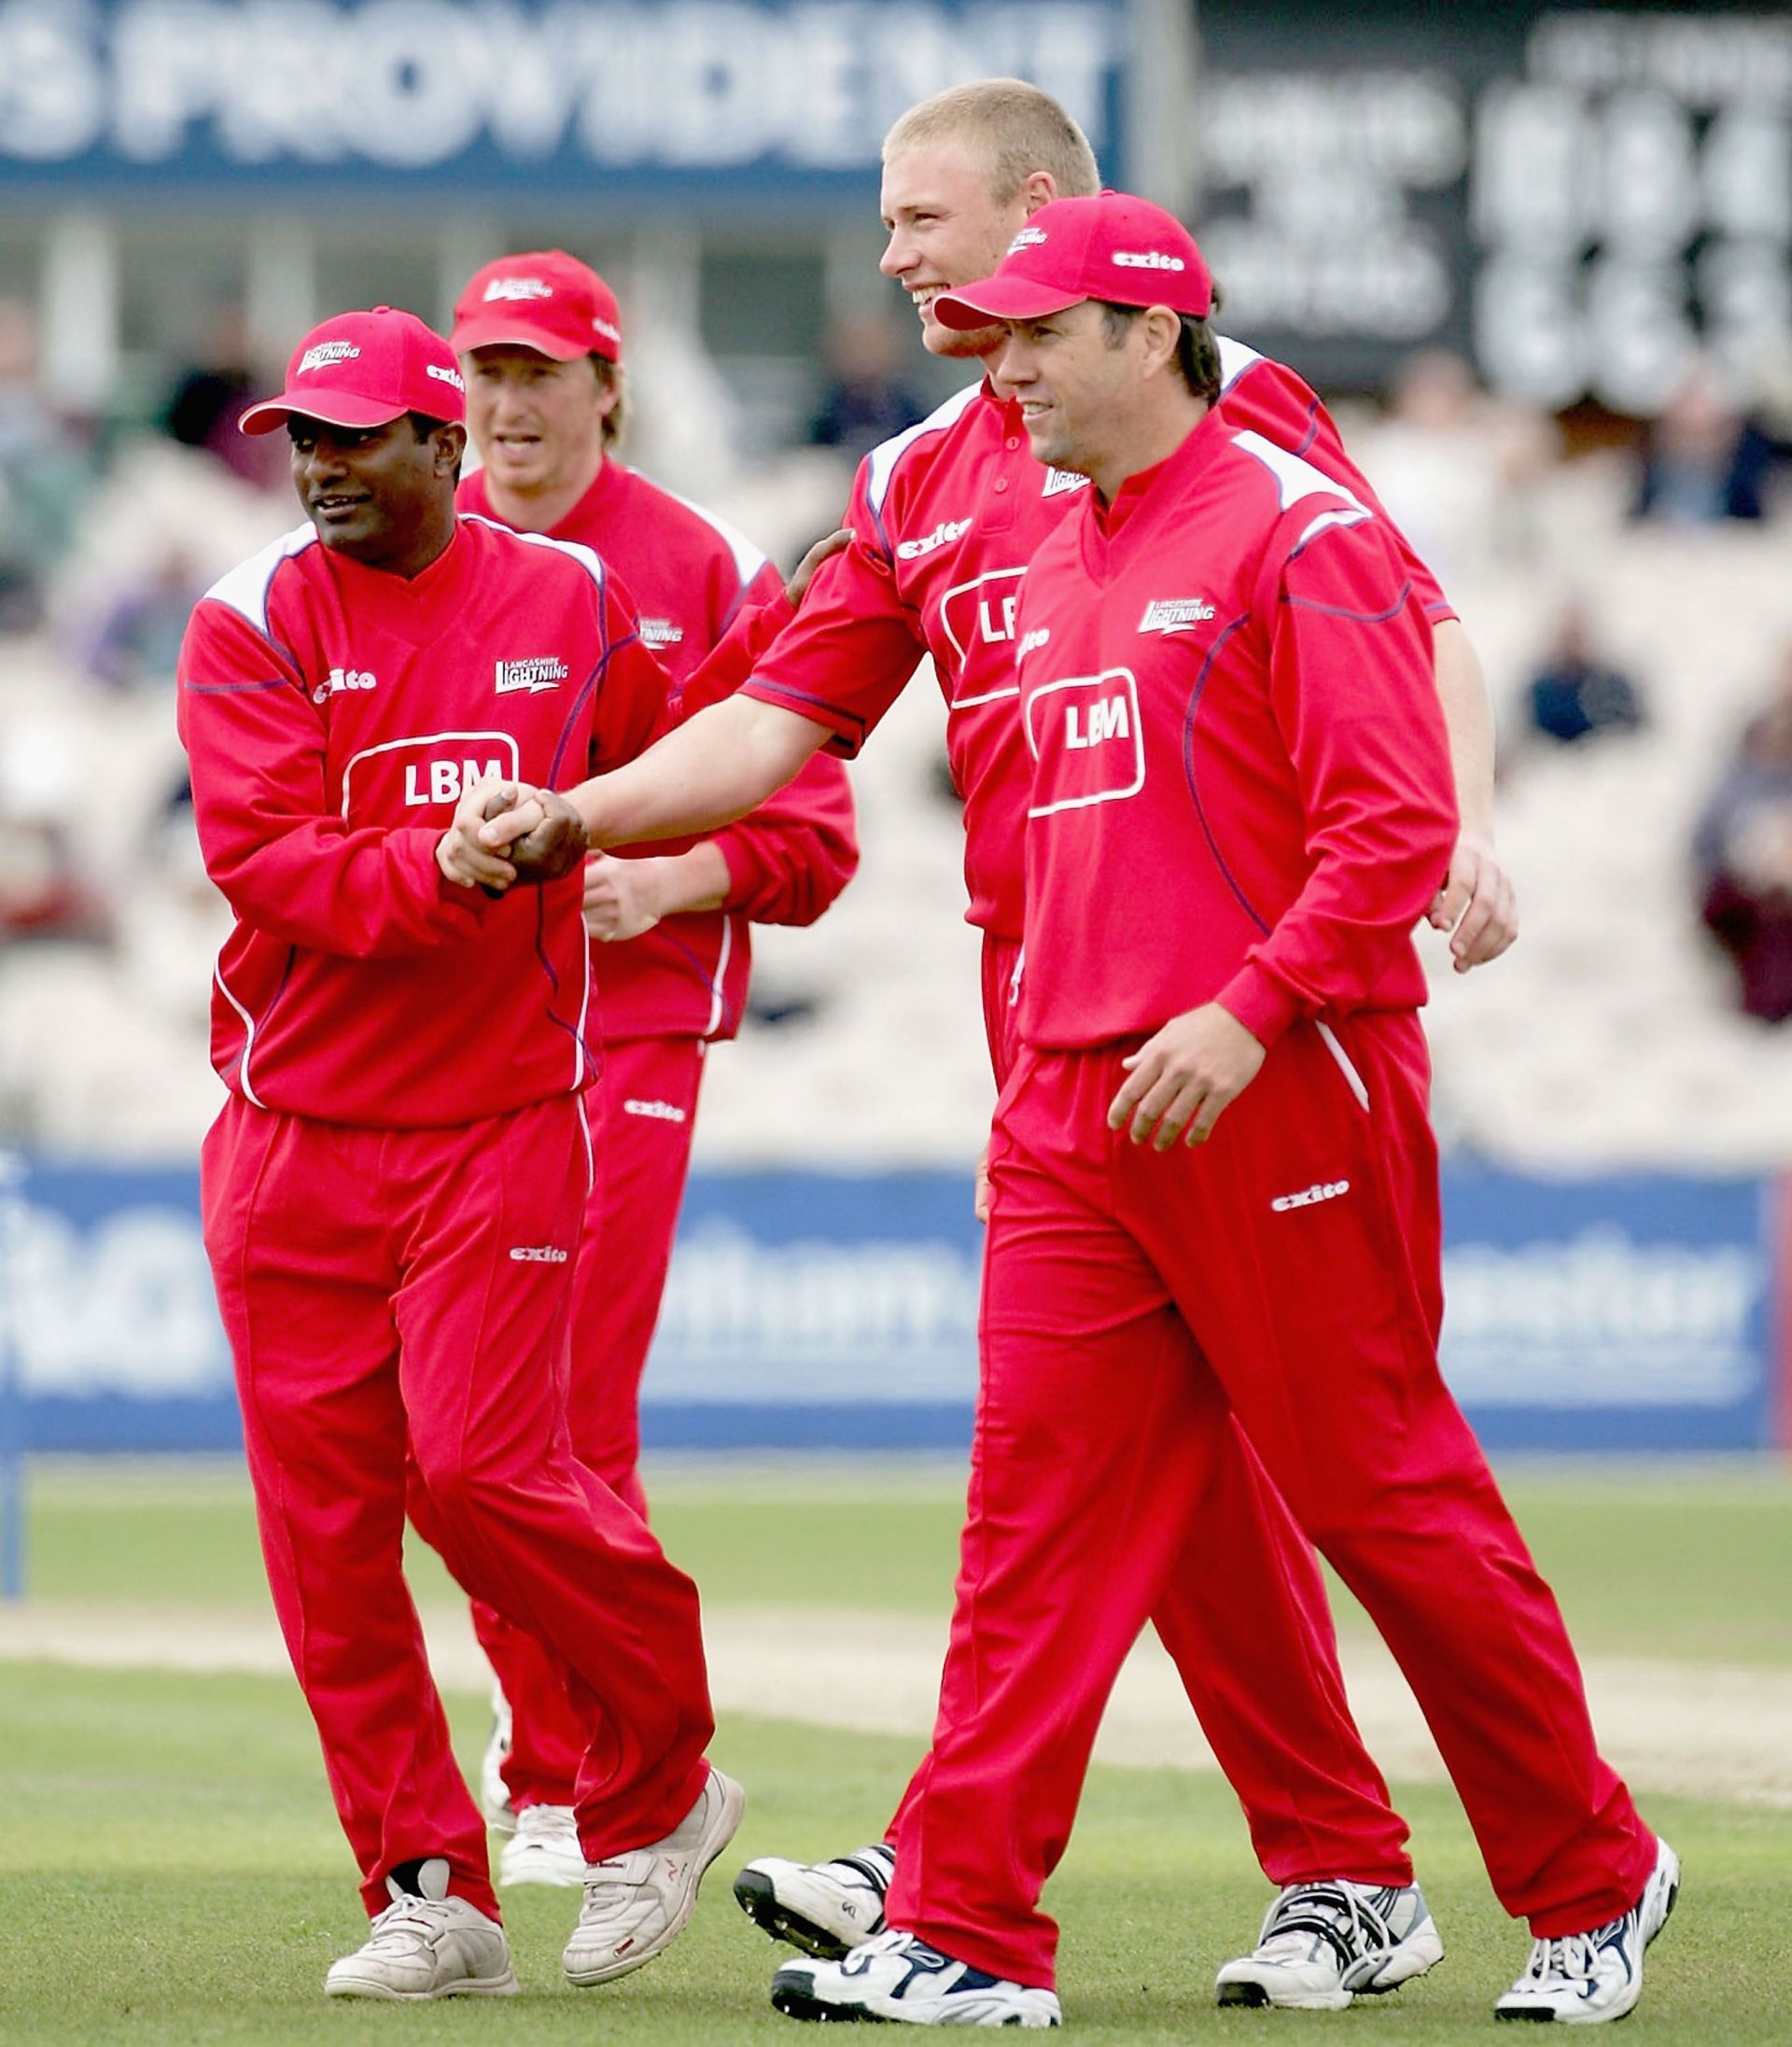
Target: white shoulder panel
1296,478
245,588
1235,359
749,559
885,456
587,558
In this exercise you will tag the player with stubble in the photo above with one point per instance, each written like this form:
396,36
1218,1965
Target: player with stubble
1213,1166
540,338
393,1190
945,519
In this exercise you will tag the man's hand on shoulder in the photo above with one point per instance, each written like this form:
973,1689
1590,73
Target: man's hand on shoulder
1477,905
824,549
1179,1081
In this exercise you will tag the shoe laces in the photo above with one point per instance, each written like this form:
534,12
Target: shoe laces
1571,1957
420,1916
1340,1915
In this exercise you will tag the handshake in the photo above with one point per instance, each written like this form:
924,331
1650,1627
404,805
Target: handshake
509,835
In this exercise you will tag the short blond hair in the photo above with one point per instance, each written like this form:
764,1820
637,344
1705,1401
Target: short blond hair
1016,128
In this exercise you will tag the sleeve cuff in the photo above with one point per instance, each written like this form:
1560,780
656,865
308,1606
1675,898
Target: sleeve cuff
747,873
459,911
1260,1002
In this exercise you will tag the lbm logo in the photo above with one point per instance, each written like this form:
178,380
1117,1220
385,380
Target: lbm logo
445,781
1106,718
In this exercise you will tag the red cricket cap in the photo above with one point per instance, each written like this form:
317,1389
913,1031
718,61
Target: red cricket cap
547,301
1116,247
363,368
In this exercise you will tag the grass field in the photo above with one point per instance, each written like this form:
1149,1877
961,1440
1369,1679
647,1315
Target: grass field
171,1870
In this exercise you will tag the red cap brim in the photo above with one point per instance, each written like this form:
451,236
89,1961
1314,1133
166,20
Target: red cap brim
335,408
501,330
1001,298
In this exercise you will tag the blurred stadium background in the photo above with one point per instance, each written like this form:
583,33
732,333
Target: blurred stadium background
1539,257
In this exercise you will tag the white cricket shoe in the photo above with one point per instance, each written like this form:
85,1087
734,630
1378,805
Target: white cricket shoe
899,1977
638,1904
427,1944
825,1908
1590,1979
494,1793
1324,1944
544,1849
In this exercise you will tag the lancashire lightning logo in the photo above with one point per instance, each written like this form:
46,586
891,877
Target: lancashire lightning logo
1175,614
325,353
545,672
1060,480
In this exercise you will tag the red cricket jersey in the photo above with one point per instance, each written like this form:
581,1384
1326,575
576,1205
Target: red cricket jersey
333,714
692,578
1241,786
945,518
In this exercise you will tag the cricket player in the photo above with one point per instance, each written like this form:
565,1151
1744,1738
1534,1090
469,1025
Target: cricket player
392,1191
1212,1165
947,518
540,339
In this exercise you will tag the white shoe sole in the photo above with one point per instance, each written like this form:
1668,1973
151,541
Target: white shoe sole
721,1831
793,1993
505,1985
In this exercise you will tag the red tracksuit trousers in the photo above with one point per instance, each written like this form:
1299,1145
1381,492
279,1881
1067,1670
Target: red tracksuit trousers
643,1111
1286,1274
374,1298
1277,1719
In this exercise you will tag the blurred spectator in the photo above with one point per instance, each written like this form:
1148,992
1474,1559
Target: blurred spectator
1574,696
1743,850
135,639
1701,461
44,470
42,894
1456,467
210,394
866,398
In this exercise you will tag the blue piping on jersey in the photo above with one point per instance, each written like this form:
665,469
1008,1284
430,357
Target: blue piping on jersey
1219,639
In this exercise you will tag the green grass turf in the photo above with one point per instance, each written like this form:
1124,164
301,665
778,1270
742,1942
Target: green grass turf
171,1872
1647,1561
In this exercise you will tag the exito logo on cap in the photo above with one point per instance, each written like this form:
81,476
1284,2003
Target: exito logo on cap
1029,238
1147,259
445,375
326,353
517,287
606,330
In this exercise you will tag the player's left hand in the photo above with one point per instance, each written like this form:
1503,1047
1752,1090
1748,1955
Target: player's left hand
1477,905
622,897
1179,1081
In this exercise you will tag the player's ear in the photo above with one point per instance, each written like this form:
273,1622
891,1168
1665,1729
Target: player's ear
450,443
1161,331
1040,189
